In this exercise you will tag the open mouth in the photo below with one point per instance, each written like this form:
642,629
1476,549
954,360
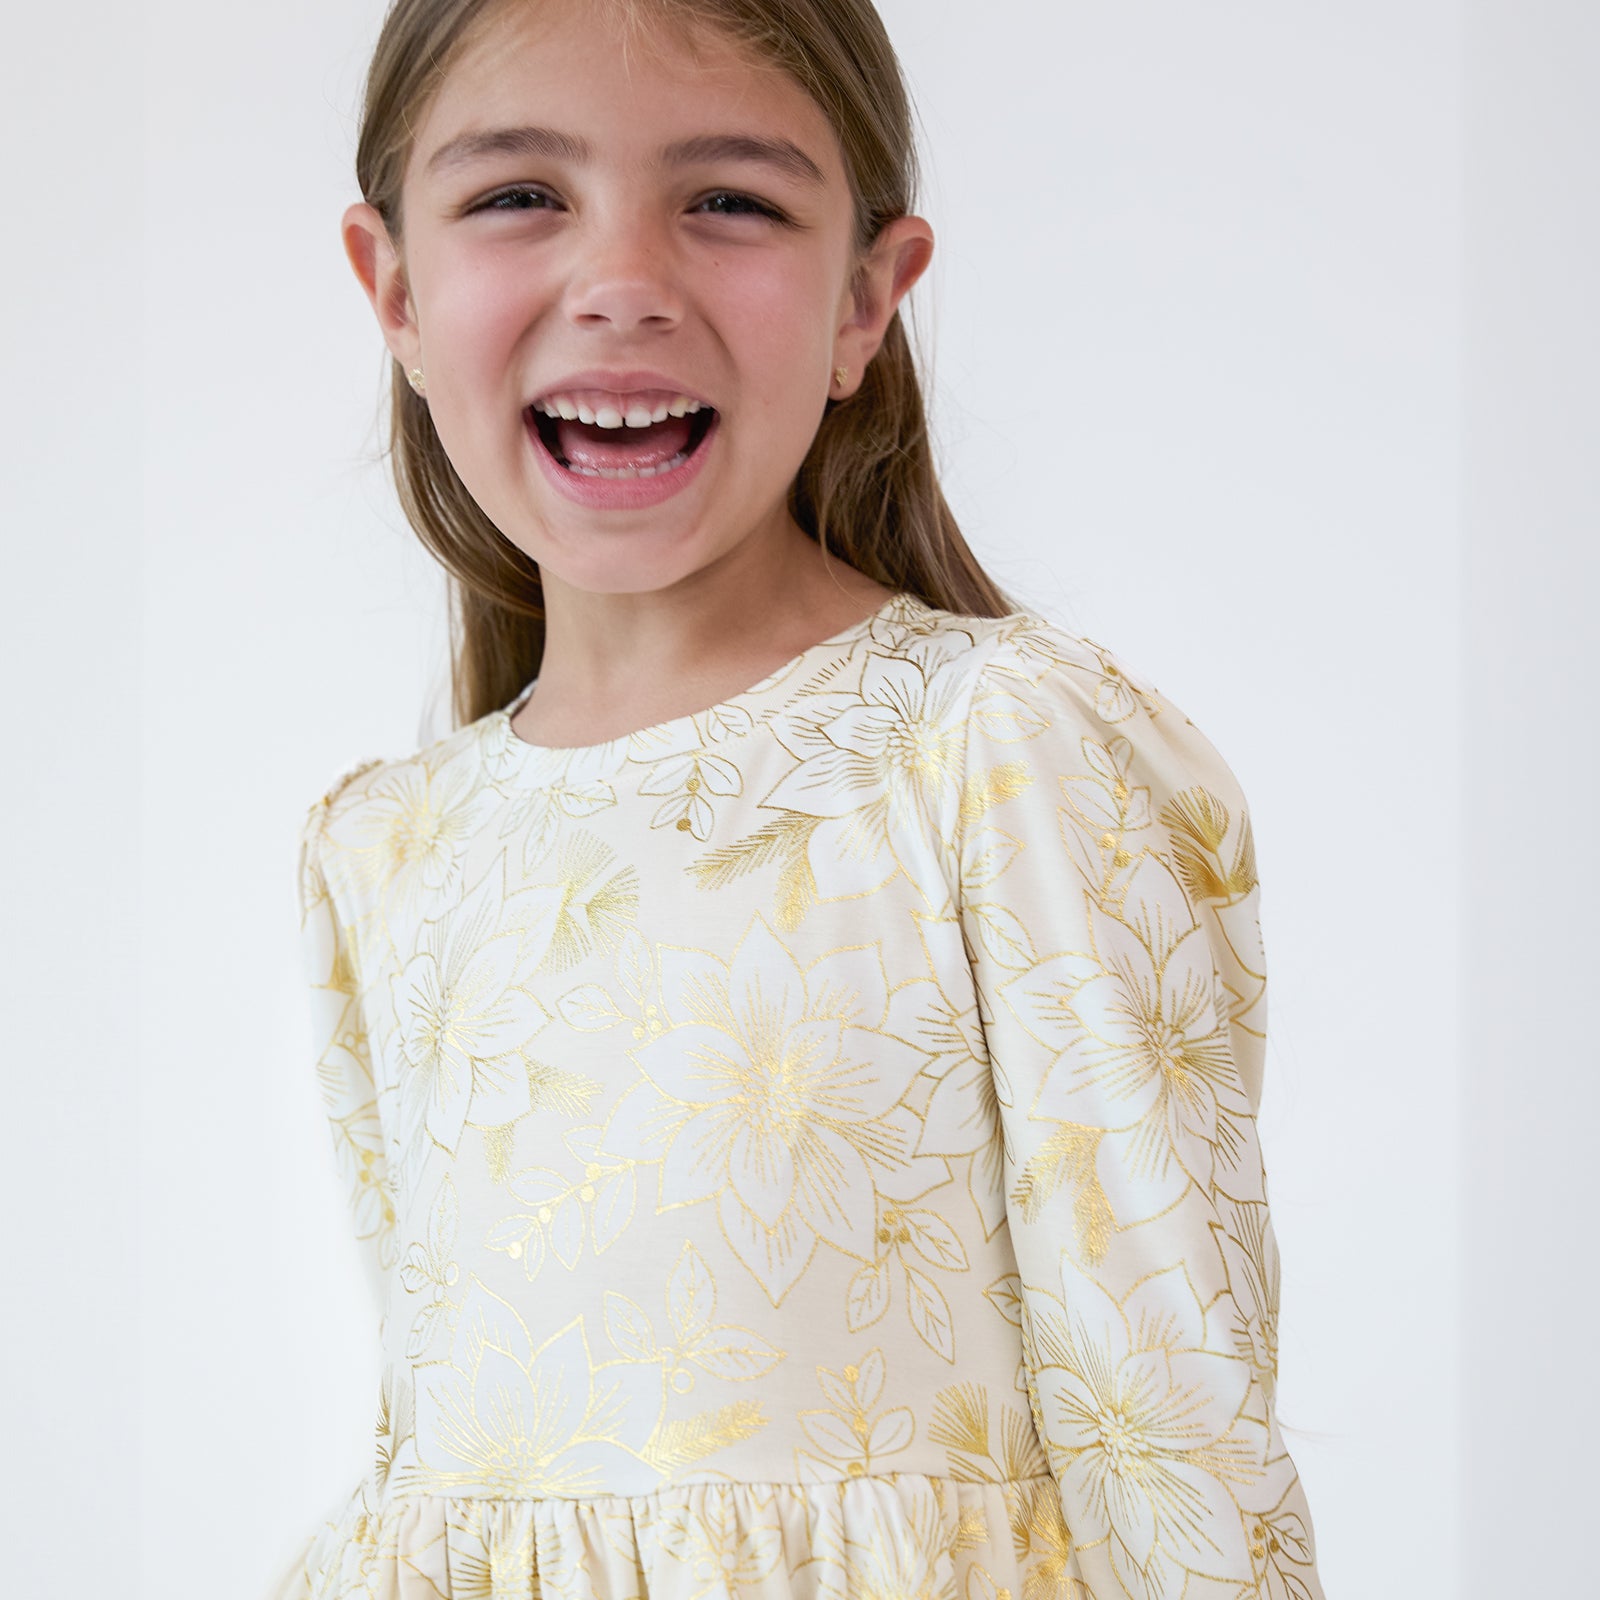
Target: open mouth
591,451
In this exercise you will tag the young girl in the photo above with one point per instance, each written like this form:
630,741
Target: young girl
794,1050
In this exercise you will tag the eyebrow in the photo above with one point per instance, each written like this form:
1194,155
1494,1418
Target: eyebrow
781,154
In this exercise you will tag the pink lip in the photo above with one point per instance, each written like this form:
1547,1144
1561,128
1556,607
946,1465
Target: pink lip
621,494
634,381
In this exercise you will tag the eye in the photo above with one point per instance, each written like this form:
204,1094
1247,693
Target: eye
521,197
517,198
747,206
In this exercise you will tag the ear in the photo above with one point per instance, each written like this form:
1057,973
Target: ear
899,256
381,272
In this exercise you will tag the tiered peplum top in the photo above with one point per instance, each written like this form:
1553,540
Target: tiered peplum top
808,1148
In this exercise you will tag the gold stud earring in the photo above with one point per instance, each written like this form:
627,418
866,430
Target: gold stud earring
840,374
417,381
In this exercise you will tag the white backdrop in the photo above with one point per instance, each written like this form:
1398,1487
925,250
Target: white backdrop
1265,352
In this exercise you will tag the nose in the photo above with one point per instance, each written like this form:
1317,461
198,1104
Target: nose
625,275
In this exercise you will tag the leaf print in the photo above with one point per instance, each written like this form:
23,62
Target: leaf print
430,1320
867,1297
935,1240
691,1295
868,1378
834,1436
395,1425
538,1186
690,773
962,1425
989,853
522,1238
1021,1454
566,1232
559,1205
628,1328
687,778
589,1008
1106,802
796,890
960,1420
736,1360
774,843
892,1432
597,905
558,1089
724,723
1200,824
685,1440
1281,1549
1007,718
1004,934
635,966
613,1208
1200,816
930,1313
1005,1295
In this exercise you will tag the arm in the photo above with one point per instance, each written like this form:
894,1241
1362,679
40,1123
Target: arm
1109,904
343,1061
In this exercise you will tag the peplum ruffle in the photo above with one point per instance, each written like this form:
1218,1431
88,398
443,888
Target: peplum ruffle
904,1535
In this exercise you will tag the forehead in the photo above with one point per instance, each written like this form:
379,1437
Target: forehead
572,65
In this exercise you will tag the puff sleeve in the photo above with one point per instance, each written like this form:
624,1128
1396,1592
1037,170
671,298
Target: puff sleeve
1108,902
342,1053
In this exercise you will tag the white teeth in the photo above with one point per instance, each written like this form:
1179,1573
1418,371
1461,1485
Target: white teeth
632,472
637,416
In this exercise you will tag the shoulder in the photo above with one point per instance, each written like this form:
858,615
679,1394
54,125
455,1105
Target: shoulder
378,799
1029,659
343,791
1030,689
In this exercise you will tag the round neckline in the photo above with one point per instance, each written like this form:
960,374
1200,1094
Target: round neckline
499,720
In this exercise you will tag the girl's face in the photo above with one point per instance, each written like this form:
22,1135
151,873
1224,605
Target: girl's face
570,208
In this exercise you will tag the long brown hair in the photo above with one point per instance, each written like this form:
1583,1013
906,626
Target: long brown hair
867,490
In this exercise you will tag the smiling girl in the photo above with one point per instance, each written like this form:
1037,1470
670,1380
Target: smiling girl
794,1050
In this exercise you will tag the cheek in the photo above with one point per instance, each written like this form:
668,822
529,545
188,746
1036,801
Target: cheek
780,311
478,309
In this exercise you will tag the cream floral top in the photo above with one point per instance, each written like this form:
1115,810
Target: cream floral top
808,1148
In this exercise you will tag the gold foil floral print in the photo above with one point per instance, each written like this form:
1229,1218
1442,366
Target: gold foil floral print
808,1148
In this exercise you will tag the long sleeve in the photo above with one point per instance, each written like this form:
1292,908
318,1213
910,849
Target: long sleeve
1108,900
343,1057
